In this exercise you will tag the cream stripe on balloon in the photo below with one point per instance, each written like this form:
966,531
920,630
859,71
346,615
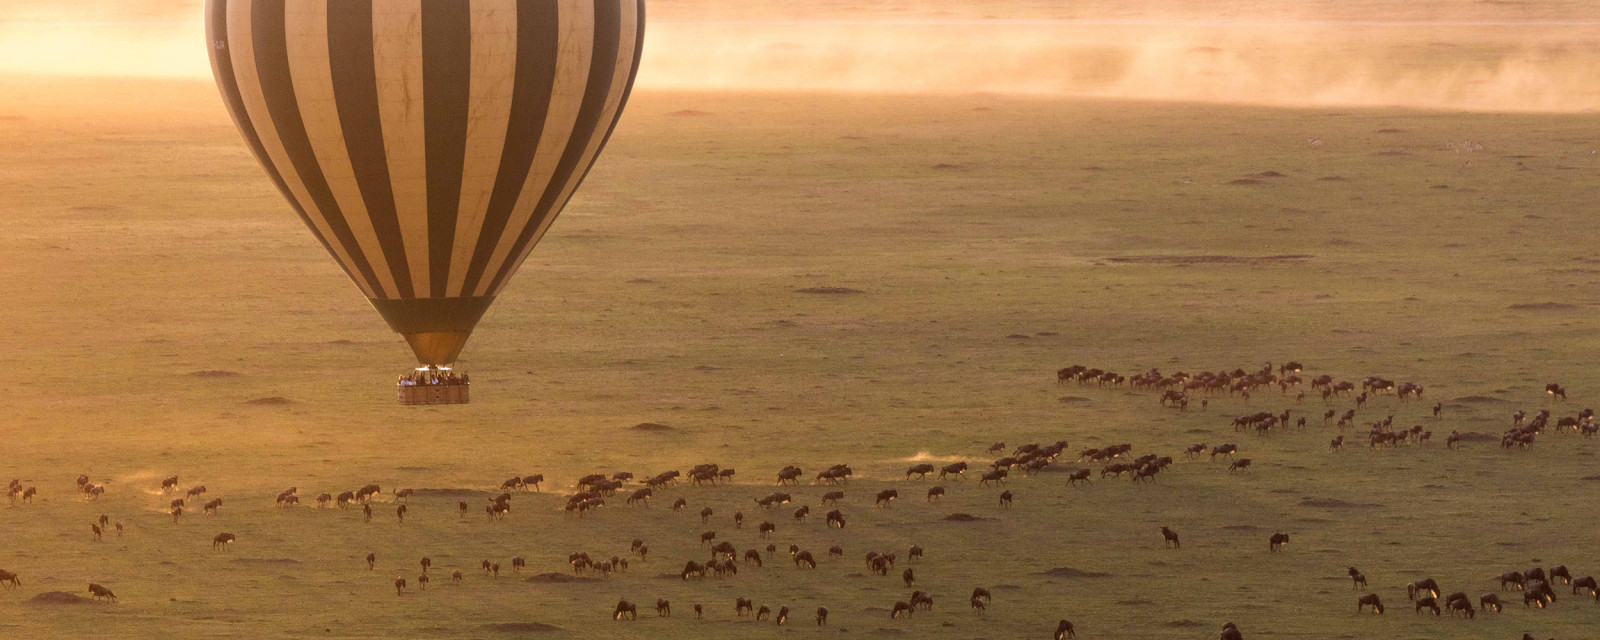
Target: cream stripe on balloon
397,56
574,52
307,33
494,60
627,41
241,36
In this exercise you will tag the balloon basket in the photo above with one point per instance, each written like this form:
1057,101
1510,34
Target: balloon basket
429,387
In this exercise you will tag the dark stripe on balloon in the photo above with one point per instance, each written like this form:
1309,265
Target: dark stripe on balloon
446,74
272,65
607,35
638,51
355,90
538,37
222,67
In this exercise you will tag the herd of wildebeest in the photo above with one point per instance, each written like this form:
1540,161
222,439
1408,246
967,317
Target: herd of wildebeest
1536,585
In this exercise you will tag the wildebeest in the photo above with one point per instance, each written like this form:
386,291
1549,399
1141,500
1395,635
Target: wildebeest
1224,450
822,616
742,606
1064,630
1230,631
789,474
766,528
1170,538
921,470
1556,391
901,608
980,592
1336,443
1513,578
169,484
1586,582
705,514
372,561
1461,606
1488,600
1371,600
978,606
693,568
886,497
803,560
934,493
1241,463
663,608
1005,498
998,476
625,608
801,513
908,576
101,592
836,519
1561,572
783,615
763,612
221,540
9,578
1429,603
1414,590
1277,541
957,468
1358,579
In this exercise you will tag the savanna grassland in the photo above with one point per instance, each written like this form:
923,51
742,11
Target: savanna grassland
158,289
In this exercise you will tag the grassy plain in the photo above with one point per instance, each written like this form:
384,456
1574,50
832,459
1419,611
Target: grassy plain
143,245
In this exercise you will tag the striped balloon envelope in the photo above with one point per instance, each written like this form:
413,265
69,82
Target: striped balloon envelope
428,144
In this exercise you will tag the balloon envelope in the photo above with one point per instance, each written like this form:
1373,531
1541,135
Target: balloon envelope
428,144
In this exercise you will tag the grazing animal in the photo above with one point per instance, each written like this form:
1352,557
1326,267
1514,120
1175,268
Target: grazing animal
783,615
625,607
699,612
1370,600
1170,538
1005,499
886,497
901,608
1230,631
978,606
980,592
1556,391
9,578
763,612
400,512
1561,572
908,576
742,606
1241,463
1461,606
1513,578
914,554
1336,443
1277,541
822,616
804,560
835,519
101,592
1586,582
832,497
221,540
399,586
663,608
96,529
1488,600
1357,578
1428,603
372,561
766,528
422,582
1414,590
168,484
1064,630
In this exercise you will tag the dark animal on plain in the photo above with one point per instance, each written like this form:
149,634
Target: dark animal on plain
1428,603
742,606
1534,574
1064,630
400,512
997,447
177,513
168,484
625,608
422,582
738,519
959,469
1513,578
699,612
1561,572
485,565
763,612
96,530
367,492
1225,450
1170,537
178,504
399,586
679,504
694,568
751,556
1556,391
344,498
101,592
533,481
836,519
1488,600
1461,606
822,616
1241,463
1437,409
836,550
455,576
494,569
1194,450
705,514
1586,582
1005,498
914,554
663,608
366,512
1371,600
801,513
766,528
372,561
1277,541
195,491
708,537
517,563
512,484
886,497
401,495
977,606
1358,580
119,528
1081,474
922,471
1414,590
1336,443
1540,591
9,578
998,475
221,540
803,560
909,576
790,474
921,600
934,493
901,608
783,615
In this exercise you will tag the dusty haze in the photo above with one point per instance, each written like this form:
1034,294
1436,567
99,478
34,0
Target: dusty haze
1450,54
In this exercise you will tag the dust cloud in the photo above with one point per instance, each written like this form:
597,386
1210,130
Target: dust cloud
1536,56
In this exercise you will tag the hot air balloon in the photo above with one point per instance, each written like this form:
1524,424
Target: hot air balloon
427,144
